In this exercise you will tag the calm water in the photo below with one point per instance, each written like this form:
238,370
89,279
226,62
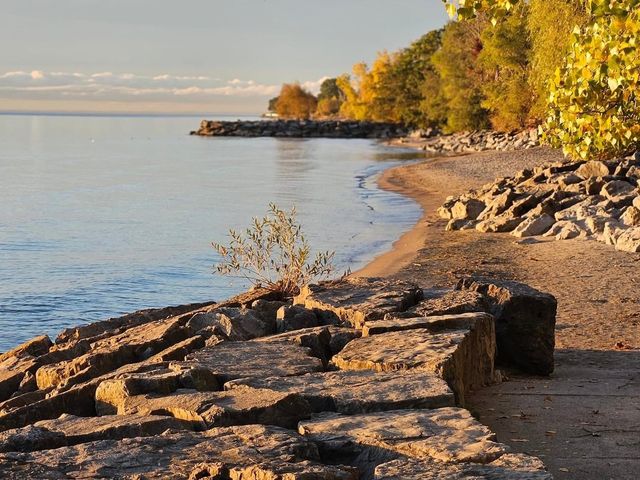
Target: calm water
104,215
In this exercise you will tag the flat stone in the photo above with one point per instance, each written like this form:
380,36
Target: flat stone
111,393
114,326
507,467
220,409
71,430
445,302
76,400
525,321
352,392
35,347
462,321
236,452
231,360
448,435
267,310
106,355
355,300
497,205
463,358
593,169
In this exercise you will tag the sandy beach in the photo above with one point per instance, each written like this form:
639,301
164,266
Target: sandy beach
584,420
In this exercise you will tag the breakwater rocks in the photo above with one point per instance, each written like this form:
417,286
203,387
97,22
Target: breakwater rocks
354,379
587,200
469,142
300,129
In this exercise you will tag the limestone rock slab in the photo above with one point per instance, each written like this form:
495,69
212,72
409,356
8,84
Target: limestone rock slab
108,354
231,360
507,467
436,323
219,409
463,358
352,392
525,323
354,300
71,430
449,435
445,302
237,452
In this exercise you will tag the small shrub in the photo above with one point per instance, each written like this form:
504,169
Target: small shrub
273,254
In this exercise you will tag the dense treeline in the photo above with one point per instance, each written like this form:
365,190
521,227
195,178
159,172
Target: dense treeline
467,76
571,67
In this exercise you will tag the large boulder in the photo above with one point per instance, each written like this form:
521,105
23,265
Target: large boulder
461,354
525,323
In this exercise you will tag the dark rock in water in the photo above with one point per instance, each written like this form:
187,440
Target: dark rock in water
525,323
301,129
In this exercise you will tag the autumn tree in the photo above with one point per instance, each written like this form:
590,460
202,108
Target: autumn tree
295,102
593,104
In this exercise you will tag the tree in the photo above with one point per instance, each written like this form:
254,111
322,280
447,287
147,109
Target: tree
295,102
460,77
594,104
402,87
504,59
330,98
273,102
594,109
550,25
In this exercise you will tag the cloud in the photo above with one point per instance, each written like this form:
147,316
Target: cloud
40,85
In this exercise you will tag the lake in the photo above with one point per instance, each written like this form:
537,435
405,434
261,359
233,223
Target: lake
100,216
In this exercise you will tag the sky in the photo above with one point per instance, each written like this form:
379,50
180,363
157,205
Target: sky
190,56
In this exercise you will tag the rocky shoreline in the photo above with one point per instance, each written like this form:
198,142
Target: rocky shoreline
300,129
431,141
353,379
595,200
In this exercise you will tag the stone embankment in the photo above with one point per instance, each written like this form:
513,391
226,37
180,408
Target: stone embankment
469,142
586,200
354,379
300,129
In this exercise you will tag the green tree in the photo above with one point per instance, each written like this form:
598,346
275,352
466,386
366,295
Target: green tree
295,102
273,104
505,61
460,76
402,87
550,25
330,98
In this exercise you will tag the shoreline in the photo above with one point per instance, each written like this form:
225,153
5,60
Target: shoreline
405,249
